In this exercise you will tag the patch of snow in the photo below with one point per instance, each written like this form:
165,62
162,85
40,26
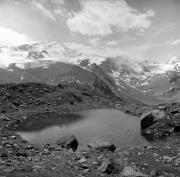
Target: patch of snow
22,78
92,59
145,83
174,60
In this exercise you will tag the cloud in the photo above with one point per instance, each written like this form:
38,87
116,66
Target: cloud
61,12
103,17
175,42
57,2
94,41
110,51
78,47
10,37
112,43
39,6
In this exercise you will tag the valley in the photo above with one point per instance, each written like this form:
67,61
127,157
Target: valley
26,104
131,110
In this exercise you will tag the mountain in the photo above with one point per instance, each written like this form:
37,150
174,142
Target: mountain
52,62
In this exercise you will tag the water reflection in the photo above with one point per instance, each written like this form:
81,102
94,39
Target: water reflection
109,125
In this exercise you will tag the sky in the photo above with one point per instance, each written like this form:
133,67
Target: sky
141,29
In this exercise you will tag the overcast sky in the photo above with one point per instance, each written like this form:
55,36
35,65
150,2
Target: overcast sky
142,29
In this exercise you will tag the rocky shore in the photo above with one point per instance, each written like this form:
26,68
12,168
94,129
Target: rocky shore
18,158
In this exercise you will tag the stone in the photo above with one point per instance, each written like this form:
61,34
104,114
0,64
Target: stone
84,166
177,162
29,147
5,118
13,137
101,145
177,128
21,154
118,106
82,160
108,166
167,158
3,153
155,155
154,173
69,142
151,117
9,170
130,172
86,170
95,163
45,152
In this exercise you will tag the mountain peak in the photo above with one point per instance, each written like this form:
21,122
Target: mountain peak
174,60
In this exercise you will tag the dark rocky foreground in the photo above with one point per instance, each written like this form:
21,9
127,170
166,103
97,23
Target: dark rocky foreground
18,158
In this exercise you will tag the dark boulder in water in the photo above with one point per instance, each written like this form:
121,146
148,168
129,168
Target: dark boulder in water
151,117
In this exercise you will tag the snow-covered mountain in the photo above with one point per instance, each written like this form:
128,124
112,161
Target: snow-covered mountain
125,76
54,51
39,53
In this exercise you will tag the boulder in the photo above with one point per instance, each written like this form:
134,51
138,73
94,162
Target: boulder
131,172
101,146
151,117
5,118
109,166
69,142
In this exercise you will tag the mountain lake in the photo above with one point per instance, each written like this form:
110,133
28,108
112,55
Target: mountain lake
104,124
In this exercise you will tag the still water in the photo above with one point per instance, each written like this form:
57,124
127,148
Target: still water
105,124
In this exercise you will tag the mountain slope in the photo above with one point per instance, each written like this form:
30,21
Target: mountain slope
52,62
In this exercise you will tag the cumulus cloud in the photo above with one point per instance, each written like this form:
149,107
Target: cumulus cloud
61,12
10,37
175,42
102,17
47,13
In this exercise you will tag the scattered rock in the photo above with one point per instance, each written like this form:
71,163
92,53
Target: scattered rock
162,107
69,142
101,145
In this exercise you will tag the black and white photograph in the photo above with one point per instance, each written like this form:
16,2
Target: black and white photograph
89,88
